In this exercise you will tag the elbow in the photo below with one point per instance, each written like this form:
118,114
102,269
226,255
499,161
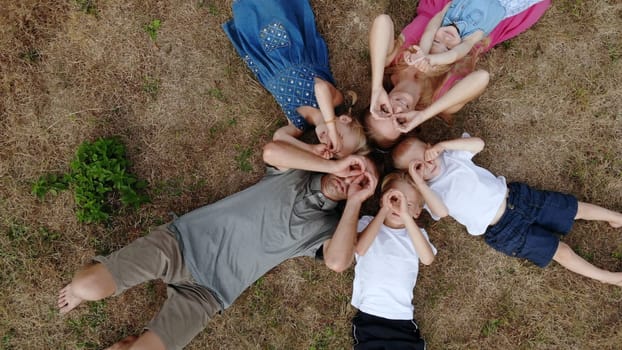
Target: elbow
337,265
482,78
443,213
427,260
269,151
383,19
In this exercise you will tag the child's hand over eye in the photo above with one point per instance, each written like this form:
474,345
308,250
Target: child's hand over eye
322,150
433,152
335,141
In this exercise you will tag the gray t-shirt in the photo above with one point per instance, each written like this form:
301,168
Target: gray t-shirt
229,244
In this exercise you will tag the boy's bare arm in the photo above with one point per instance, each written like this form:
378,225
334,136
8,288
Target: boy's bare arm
432,200
421,244
469,144
366,238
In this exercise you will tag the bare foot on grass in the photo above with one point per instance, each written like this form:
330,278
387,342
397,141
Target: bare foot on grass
124,343
67,301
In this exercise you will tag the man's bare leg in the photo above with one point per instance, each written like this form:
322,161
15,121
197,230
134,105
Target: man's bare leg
93,282
587,211
146,341
566,257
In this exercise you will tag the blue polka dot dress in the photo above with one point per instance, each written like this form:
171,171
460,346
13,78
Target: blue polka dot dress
280,43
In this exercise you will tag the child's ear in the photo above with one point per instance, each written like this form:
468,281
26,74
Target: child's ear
344,118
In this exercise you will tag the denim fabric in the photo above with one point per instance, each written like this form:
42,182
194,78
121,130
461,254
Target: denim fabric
532,221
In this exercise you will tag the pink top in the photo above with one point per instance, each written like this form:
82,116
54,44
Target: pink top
507,29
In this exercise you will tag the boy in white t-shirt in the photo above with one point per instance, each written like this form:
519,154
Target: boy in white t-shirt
388,251
515,219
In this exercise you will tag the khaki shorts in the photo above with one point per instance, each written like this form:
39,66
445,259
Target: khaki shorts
189,306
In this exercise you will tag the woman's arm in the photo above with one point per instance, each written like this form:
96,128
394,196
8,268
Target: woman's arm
464,91
456,53
382,50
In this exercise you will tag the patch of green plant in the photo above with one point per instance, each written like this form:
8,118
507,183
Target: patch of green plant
151,86
6,339
490,327
30,55
322,342
217,93
587,255
99,177
213,10
243,159
152,28
88,6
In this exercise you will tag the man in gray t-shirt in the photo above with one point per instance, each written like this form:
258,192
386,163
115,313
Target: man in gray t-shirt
209,256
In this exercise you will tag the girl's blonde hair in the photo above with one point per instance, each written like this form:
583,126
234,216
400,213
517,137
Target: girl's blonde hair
362,147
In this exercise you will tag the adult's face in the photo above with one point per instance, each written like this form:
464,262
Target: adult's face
336,188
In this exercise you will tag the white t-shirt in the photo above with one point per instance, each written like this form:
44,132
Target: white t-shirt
384,278
472,194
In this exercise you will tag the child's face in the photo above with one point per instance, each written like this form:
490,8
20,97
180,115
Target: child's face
445,39
413,203
413,151
349,137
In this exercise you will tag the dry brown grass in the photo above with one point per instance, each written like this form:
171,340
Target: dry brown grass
551,116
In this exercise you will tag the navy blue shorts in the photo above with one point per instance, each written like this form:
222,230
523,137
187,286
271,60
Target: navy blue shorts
377,333
532,223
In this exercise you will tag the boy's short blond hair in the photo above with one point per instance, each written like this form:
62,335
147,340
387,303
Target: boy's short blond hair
398,176
401,149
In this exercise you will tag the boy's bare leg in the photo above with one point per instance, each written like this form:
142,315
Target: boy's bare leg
566,257
93,282
587,211
146,341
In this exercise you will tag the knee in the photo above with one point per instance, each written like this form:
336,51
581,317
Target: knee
93,283
563,253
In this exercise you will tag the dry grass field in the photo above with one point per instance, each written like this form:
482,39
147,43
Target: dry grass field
194,119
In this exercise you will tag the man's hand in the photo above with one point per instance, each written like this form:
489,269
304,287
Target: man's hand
380,105
362,187
351,165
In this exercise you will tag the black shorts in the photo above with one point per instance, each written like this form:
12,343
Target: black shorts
377,333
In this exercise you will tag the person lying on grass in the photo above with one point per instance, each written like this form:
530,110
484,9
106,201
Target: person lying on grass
388,251
414,96
279,42
515,219
209,256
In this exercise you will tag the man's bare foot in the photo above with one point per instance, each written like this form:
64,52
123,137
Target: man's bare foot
67,301
124,343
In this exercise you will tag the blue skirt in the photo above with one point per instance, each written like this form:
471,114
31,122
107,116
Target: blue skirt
280,43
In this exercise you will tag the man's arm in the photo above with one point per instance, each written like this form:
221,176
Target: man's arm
339,250
286,156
